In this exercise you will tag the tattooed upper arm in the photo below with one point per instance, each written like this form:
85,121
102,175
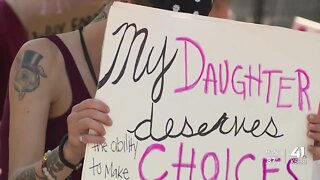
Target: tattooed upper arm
30,99
28,73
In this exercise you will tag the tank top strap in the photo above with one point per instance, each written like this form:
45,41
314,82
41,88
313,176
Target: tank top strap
79,89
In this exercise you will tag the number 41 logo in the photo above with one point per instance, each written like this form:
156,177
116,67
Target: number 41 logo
298,152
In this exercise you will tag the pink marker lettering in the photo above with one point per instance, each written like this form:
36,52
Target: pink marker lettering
207,80
251,78
243,91
228,163
247,156
152,147
265,171
290,170
270,72
180,165
216,165
203,58
282,87
303,77
224,89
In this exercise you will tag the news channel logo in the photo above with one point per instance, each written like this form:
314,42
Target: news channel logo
297,156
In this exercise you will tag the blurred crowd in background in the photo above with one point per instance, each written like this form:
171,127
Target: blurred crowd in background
275,12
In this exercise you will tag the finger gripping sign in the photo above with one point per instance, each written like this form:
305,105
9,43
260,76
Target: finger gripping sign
194,97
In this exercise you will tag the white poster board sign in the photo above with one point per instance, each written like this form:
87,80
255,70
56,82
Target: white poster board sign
200,98
302,24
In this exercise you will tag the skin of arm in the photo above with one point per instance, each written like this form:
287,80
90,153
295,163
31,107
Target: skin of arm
30,93
33,94
314,134
220,9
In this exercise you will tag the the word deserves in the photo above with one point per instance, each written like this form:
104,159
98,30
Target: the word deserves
188,131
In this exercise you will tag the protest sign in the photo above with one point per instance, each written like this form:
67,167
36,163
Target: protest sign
307,25
195,97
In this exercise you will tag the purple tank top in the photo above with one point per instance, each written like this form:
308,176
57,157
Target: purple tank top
12,37
57,127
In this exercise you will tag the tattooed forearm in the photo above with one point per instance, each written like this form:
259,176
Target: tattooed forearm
54,164
28,73
27,174
30,174
43,177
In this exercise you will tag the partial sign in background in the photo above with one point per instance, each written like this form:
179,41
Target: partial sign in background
307,25
200,98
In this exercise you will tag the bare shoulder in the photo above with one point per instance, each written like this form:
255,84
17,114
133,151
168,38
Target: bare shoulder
42,47
34,65
31,88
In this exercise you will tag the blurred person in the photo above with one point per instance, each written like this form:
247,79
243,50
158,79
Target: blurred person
198,7
285,11
275,12
22,20
314,133
221,9
213,8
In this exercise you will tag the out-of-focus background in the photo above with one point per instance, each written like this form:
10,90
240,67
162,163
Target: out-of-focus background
275,12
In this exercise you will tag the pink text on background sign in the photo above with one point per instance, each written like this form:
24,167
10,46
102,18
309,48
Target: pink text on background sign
191,165
231,79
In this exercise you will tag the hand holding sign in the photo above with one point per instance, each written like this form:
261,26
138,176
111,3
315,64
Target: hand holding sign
89,114
314,133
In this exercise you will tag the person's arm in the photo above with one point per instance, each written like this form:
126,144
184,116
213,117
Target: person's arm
314,133
316,170
220,9
30,98
32,85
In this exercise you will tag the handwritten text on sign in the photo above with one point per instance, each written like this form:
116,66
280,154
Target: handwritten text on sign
209,105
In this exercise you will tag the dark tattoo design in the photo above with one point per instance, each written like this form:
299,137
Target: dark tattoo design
28,74
44,177
54,164
101,16
31,174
